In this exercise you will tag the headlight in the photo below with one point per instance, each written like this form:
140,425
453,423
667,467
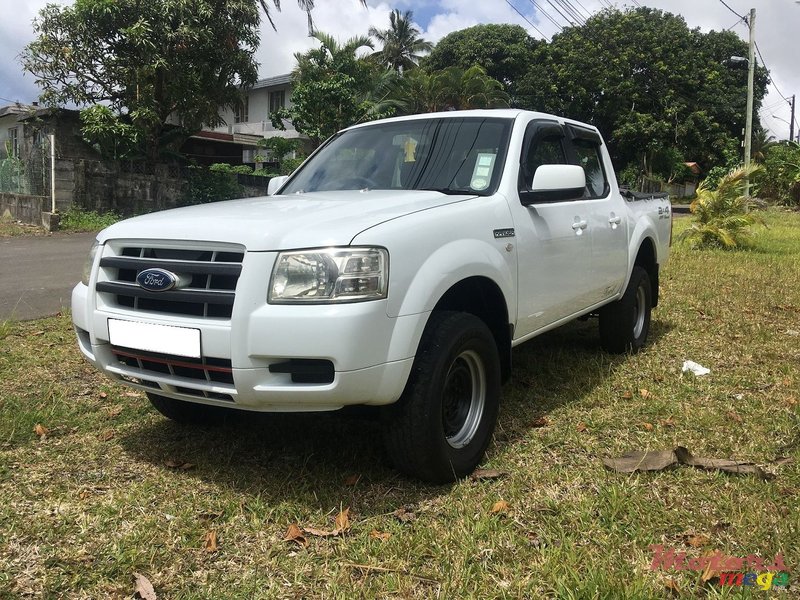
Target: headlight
87,266
329,275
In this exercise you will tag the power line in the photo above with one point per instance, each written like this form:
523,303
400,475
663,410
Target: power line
546,14
526,19
764,63
733,11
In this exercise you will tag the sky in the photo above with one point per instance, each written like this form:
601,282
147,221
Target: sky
777,27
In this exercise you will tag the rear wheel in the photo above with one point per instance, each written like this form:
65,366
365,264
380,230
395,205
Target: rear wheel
189,412
624,324
440,428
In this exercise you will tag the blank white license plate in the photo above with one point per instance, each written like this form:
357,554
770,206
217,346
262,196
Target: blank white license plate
165,339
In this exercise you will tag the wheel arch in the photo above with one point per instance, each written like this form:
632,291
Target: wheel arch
483,298
647,259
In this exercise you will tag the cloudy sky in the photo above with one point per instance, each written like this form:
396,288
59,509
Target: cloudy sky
777,29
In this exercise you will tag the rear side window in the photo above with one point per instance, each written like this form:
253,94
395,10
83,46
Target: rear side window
587,155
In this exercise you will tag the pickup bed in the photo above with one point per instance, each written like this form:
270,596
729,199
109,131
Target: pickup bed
397,267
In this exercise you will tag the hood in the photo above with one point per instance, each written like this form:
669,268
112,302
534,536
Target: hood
281,222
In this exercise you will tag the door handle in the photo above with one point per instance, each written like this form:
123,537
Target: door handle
579,225
615,220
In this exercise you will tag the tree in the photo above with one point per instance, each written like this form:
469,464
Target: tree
506,52
449,89
402,44
145,60
333,88
306,5
649,83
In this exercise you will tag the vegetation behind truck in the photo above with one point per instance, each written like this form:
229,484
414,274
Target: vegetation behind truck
397,267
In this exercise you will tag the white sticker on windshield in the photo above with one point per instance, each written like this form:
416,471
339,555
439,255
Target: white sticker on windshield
482,172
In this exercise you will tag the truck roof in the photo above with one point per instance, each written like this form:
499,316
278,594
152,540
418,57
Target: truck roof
502,113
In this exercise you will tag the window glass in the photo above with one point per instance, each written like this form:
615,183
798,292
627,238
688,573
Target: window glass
277,100
240,112
451,155
546,151
589,157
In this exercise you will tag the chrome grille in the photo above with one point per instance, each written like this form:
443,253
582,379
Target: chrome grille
212,275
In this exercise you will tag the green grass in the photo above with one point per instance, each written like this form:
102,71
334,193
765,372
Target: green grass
77,219
95,501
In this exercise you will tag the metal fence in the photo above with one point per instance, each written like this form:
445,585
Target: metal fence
27,174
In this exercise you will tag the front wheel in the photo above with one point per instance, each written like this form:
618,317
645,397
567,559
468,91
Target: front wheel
440,428
624,324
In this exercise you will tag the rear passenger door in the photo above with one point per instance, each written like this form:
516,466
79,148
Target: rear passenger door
605,215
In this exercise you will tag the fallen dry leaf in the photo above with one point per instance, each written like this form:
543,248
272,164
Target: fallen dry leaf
697,541
645,393
107,435
482,474
627,395
673,587
709,572
734,416
659,460
113,411
103,395
132,394
581,426
648,426
379,535
295,534
501,506
342,522
144,589
667,422
352,479
540,422
84,494
405,514
209,516
210,541
40,430
320,532
173,463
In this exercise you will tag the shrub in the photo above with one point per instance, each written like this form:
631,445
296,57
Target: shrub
214,184
78,219
722,217
779,180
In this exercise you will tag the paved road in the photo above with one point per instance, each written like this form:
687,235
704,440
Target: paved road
37,273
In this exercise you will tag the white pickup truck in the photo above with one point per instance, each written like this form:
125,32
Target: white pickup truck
397,267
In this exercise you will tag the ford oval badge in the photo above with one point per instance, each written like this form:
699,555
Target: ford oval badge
156,280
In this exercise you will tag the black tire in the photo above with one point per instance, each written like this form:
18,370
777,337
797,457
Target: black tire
624,324
189,412
440,428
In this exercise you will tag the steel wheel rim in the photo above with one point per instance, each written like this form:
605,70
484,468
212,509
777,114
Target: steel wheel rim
639,311
463,399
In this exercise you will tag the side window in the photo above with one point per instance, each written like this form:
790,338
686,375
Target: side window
546,150
588,156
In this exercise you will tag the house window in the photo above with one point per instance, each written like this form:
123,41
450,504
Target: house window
277,100
240,111
13,142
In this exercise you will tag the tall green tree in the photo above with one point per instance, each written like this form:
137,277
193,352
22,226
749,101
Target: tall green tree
402,46
650,84
506,52
145,60
333,87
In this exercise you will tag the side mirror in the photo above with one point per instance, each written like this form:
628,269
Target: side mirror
552,183
275,184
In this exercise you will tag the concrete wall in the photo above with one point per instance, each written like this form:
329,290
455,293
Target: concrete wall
27,209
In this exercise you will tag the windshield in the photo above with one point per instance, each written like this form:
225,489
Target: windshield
449,155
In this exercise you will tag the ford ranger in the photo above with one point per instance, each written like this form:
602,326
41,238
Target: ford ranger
397,267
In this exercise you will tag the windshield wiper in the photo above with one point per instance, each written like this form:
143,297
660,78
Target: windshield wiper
448,191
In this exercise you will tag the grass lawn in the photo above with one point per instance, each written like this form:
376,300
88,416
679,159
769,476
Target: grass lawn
114,489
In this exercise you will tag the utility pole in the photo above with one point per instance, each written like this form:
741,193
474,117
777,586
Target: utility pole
791,122
748,132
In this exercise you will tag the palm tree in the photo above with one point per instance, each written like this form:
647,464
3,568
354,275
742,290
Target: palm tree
761,143
452,88
306,5
722,217
401,42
